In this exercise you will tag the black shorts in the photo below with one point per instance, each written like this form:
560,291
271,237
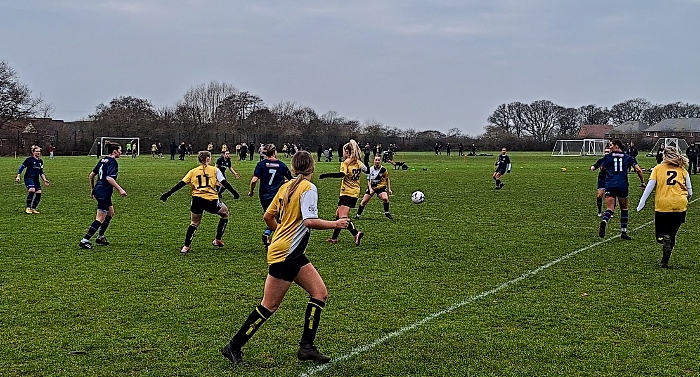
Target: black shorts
289,269
103,196
377,191
500,171
347,201
667,223
618,192
199,205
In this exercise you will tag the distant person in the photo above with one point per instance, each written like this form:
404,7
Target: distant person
203,180
154,150
292,214
502,166
173,150
693,152
632,151
52,149
35,170
106,171
461,149
473,150
134,148
616,165
183,151
319,153
367,150
671,202
210,147
448,147
660,154
378,183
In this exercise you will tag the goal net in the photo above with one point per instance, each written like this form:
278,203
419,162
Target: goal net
130,145
580,147
681,144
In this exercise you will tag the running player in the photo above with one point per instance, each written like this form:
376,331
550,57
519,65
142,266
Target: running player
502,167
601,181
350,170
224,163
35,170
203,180
377,183
671,203
106,171
616,165
271,173
292,214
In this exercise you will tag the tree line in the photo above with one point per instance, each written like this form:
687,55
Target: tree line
220,113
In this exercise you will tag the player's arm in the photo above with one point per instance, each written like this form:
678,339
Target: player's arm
339,174
91,178
235,173
640,174
647,192
309,211
220,177
46,181
253,181
177,186
688,186
388,185
114,183
21,168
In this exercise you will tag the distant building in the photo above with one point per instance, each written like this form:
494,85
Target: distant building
631,130
685,128
594,131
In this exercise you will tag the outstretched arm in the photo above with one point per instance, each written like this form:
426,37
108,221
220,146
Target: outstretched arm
228,186
178,186
647,192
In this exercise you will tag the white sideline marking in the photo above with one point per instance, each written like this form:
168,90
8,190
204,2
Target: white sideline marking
357,350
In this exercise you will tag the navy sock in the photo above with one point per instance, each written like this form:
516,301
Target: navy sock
624,219
599,202
93,228
30,199
221,228
37,199
607,215
105,224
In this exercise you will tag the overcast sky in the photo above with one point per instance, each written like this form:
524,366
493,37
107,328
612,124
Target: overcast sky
432,64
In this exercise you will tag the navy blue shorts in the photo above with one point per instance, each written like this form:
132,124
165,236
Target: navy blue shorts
32,182
265,203
618,192
601,184
104,200
500,171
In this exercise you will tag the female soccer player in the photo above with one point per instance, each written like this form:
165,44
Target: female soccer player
203,180
106,172
671,203
600,193
377,183
350,170
35,170
502,167
292,214
224,163
271,173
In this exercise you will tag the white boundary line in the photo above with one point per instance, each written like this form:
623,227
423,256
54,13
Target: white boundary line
357,350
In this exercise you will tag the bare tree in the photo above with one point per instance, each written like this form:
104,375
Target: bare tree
632,109
592,114
16,101
199,104
126,116
541,119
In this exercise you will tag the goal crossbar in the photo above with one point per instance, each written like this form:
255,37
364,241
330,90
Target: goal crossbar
130,145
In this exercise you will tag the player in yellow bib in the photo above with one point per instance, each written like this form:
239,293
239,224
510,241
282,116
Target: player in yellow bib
291,215
203,179
673,189
351,170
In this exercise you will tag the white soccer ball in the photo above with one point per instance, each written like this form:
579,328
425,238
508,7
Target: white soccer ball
418,197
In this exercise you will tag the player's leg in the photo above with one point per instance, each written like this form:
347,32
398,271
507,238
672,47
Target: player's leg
384,196
31,191
599,200
624,218
195,220
37,197
101,239
310,280
221,227
102,209
497,178
363,203
608,214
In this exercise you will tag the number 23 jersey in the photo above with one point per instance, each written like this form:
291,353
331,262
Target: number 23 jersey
351,180
203,180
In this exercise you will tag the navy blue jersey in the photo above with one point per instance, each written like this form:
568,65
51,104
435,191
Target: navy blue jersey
223,164
616,165
34,166
107,167
272,175
503,162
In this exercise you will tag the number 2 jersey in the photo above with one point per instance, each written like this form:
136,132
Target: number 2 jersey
671,188
616,165
351,180
203,180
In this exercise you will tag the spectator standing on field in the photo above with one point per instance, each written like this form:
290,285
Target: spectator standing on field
692,152
52,148
173,149
660,154
183,151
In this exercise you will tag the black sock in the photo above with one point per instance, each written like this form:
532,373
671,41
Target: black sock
105,224
190,235
624,219
360,209
221,228
92,229
599,202
30,199
336,232
37,198
386,207
498,182
352,229
311,320
255,319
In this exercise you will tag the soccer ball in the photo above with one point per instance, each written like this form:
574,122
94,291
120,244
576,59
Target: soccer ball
418,197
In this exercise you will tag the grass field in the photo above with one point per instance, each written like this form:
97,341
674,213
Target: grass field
473,282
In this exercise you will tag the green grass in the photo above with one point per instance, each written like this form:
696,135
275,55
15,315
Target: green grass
140,308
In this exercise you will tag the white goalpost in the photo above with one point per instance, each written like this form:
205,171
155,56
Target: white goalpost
130,145
580,147
679,143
